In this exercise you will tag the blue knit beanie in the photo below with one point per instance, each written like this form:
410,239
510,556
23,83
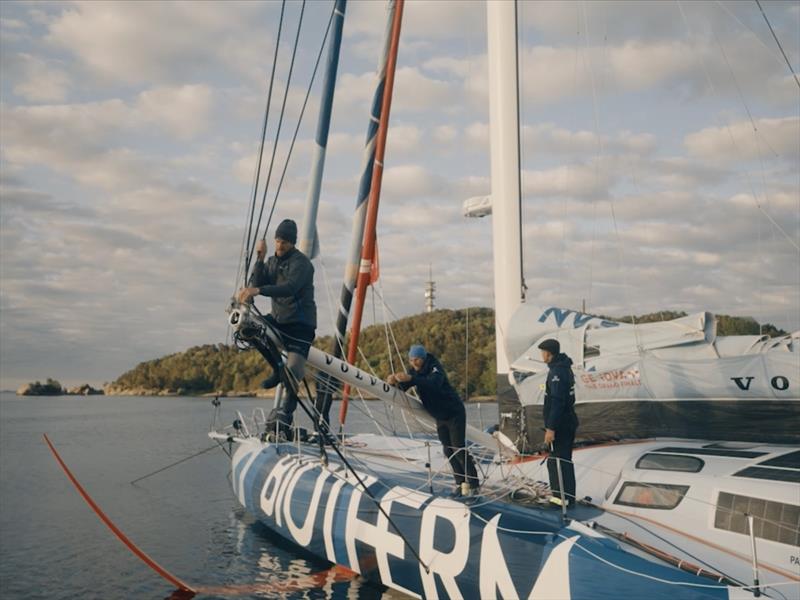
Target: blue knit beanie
417,351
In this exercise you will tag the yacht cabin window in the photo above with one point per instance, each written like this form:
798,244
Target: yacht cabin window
670,462
662,496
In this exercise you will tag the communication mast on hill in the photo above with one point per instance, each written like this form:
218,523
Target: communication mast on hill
430,291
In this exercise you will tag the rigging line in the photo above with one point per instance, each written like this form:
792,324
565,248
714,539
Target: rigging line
586,62
669,543
278,130
261,146
320,424
299,120
777,41
746,26
620,245
177,462
735,145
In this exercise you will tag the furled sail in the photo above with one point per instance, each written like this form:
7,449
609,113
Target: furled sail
733,381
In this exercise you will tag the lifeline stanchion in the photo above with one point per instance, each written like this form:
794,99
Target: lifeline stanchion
560,484
756,589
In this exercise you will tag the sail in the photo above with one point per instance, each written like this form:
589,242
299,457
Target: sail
675,378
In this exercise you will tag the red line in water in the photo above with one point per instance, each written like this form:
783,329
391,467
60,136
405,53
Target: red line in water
117,532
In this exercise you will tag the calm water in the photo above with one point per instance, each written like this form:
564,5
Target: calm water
53,546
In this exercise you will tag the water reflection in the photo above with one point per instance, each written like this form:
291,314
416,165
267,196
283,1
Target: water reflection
259,564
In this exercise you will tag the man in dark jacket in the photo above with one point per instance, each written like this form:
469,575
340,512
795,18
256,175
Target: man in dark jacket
287,278
445,405
560,420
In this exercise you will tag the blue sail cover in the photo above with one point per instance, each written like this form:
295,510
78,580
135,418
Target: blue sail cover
479,550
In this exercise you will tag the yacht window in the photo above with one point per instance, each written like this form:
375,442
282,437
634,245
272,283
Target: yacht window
711,452
789,475
670,462
775,521
732,445
786,461
662,496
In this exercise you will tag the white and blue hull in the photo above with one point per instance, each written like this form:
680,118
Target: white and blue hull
473,550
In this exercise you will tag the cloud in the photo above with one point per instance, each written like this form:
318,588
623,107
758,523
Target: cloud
40,81
549,138
142,42
739,141
422,19
125,187
574,181
445,134
183,110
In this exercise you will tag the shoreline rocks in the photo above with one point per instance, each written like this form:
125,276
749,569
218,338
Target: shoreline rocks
53,388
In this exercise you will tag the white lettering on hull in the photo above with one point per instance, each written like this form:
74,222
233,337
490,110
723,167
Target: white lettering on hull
446,564
553,580
302,534
356,528
494,575
327,523
412,499
272,484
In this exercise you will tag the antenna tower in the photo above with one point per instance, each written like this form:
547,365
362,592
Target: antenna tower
430,291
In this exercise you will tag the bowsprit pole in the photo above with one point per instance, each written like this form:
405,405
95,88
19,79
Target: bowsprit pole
325,389
368,244
116,531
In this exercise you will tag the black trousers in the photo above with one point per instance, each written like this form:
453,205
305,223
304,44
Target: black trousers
562,449
452,435
297,339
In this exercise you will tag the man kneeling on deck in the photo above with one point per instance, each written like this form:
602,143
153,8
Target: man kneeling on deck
560,420
445,405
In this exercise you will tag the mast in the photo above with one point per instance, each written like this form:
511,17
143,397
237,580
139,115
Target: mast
325,389
509,287
308,239
368,246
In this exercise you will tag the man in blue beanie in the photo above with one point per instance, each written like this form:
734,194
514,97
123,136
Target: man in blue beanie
287,278
560,420
445,405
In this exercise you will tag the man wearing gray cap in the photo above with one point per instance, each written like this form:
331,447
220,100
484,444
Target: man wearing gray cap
287,278
560,420
445,405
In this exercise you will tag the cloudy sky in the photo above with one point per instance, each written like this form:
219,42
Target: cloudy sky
652,131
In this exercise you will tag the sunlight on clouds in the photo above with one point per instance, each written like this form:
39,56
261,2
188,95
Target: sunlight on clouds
130,132
183,110
137,42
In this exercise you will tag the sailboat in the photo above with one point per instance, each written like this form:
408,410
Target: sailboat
664,512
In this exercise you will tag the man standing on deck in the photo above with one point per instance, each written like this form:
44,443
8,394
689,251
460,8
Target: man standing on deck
560,420
445,405
288,278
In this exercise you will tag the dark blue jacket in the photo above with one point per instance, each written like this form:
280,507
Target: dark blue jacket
559,395
434,390
289,281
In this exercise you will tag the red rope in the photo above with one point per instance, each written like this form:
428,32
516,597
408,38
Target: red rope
122,537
